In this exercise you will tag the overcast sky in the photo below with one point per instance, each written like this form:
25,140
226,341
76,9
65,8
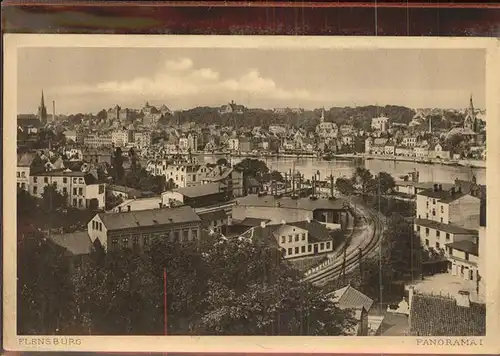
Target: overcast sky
90,79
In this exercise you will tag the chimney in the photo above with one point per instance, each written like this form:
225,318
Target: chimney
463,299
262,224
435,187
128,208
440,187
53,110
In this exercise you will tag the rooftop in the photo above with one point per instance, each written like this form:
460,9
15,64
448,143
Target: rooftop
351,298
150,217
465,246
25,159
452,229
445,196
432,315
139,204
316,231
213,215
286,202
201,190
251,222
76,243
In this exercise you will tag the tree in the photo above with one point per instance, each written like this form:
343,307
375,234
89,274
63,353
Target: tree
253,168
344,186
384,183
43,287
52,200
222,162
117,163
363,179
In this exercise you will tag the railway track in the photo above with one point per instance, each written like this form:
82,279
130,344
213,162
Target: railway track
373,222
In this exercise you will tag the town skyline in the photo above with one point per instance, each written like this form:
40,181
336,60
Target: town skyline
187,78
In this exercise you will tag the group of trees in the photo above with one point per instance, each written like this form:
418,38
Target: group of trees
214,287
258,169
399,261
363,182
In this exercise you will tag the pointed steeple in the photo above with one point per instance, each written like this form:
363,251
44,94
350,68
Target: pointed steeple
42,102
42,111
471,105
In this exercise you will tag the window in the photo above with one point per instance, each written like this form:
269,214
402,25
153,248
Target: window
18,175
438,233
93,225
467,256
434,201
290,251
289,238
65,180
114,242
80,180
419,216
194,234
80,202
74,202
145,240
426,242
182,178
322,246
441,219
296,250
74,180
433,212
35,190
45,179
136,242
101,188
327,245
100,226
447,236
194,177
18,185
296,237
186,234
427,216
303,249
427,203
74,191
438,245
283,239
442,209
125,242
80,191
418,228
35,179
309,248
427,231
303,237
23,174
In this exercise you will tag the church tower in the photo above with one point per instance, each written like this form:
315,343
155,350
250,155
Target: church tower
470,121
42,111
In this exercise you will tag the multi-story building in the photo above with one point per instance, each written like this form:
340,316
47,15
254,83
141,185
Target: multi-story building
136,230
409,141
297,239
23,170
98,155
182,174
326,129
75,136
380,123
446,216
233,143
192,142
277,130
96,140
229,176
142,139
120,138
80,188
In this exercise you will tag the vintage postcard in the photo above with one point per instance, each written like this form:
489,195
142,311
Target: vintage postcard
251,194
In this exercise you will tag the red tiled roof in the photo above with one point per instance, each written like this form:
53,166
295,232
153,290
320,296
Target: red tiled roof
441,316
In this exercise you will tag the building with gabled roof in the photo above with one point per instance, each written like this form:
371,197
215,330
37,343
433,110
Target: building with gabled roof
137,229
295,239
437,315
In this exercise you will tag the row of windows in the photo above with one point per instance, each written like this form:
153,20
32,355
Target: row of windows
290,238
302,249
65,180
96,225
438,233
124,241
21,174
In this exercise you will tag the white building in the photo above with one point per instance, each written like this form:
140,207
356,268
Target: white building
380,123
79,187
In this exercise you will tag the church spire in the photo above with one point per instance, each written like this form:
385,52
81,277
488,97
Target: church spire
42,111
42,102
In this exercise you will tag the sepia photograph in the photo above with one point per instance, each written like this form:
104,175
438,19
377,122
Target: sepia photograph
232,190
